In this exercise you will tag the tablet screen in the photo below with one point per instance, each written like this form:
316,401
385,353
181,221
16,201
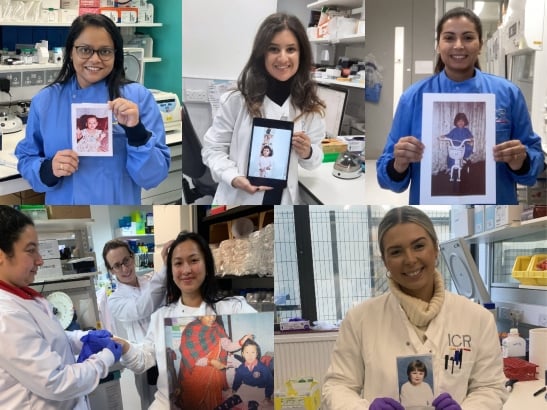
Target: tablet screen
269,154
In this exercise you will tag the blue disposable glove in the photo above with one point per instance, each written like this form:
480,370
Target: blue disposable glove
444,401
115,348
385,403
93,342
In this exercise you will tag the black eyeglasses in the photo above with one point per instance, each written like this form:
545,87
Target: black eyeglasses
105,53
127,262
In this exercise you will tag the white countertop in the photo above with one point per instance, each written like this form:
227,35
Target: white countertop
322,187
10,179
522,396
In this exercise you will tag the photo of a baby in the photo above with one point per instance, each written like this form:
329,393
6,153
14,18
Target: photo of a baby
92,130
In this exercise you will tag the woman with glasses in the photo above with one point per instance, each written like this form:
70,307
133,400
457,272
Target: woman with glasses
192,290
133,302
93,72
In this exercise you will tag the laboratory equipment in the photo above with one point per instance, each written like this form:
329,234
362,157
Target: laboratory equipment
335,99
63,308
170,109
347,166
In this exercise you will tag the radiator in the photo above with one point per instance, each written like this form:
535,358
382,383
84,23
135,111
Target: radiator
302,355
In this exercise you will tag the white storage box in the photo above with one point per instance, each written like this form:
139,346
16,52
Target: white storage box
479,218
49,248
51,269
507,214
461,221
489,217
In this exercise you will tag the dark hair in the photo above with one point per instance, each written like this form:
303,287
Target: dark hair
461,117
12,224
209,288
455,13
116,78
266,146
401,215
416,365
253,80
114,244
251,342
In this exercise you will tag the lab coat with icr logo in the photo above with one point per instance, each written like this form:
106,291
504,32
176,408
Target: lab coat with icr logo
376,332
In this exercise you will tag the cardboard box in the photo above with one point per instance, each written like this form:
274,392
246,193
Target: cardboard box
299,394
70,4
110,12
479,218
69,212
51,269
68,15
36,212
128,15
296,325
489,217
51,4
507,215
49,248
330,145
462,221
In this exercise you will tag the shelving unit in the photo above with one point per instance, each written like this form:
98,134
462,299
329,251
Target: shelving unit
216,228
506,232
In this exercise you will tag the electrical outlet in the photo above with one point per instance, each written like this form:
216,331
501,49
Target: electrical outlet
542,321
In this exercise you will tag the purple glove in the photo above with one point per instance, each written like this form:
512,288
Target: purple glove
94,342
444,401
385,403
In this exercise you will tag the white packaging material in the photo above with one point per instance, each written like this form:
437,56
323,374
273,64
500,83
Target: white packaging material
507,214
70,4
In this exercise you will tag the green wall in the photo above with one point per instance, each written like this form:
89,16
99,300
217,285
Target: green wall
167,74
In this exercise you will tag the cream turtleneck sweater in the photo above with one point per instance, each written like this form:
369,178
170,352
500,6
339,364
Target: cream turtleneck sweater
419,312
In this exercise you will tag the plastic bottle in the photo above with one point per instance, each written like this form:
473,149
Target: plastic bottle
514,345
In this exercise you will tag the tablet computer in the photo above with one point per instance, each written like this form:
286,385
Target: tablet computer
269,154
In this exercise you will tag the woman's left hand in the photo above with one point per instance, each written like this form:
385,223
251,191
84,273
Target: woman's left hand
512,152
301,143
126,112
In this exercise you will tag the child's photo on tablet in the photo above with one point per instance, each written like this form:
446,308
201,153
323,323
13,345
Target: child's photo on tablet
270,152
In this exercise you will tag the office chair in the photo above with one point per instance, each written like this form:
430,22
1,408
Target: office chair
192,163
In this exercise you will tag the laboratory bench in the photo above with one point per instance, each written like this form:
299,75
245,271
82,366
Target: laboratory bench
170,190
319,186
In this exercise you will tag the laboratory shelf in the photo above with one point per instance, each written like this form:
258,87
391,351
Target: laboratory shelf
511,231
68,24
349,39
318,5
351,84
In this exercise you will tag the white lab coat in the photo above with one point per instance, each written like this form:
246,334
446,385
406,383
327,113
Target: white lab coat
131,308
227,143
38,369
141,357
375,332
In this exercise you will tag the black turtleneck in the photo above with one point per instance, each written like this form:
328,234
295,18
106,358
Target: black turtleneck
278,91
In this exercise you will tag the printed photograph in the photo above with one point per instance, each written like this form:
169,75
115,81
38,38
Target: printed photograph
459,134
92,129
415,375
220,362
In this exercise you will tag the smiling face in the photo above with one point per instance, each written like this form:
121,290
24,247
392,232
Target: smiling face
249,353
283,56
122,265
188,265
411,255
92,123
20,268
416,377
459,47
92,69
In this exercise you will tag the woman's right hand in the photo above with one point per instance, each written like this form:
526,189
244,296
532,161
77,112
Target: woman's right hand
408,149
245,185
65,163
217,364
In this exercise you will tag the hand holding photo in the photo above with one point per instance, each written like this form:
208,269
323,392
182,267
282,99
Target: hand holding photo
415,381
92,129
